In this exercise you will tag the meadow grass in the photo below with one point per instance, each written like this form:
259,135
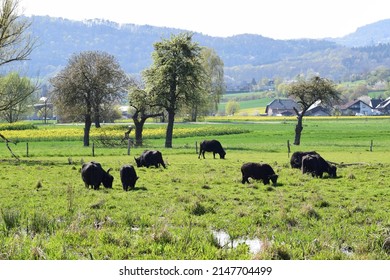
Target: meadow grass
47,213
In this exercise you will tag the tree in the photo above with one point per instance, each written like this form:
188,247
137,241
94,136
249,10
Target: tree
14,96
89,81
232,107
16,44
306,93
175,77
144,108
214,83
207,99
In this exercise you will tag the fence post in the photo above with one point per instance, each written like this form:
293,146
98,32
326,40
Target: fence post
93,149
196,147
371,145
128,146
27,149
288,148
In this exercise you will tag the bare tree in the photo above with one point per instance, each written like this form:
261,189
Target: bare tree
16,43
144,108
89,81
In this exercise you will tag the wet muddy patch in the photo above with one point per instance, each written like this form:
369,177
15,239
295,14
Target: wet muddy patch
224,241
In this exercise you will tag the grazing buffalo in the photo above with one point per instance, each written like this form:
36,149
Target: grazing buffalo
296,158
211,146
93,174
128,177
258,171
149,158
316,165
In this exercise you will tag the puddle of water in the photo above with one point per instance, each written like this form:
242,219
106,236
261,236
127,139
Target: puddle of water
347,250
224,240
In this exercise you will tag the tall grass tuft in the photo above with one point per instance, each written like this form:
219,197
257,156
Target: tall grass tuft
11,219
310,212
70,198
197,209
40,223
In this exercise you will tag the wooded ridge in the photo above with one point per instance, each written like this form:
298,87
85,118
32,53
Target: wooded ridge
245,56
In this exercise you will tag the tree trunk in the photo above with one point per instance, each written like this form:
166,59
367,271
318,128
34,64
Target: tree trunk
139,120
169,132
194,113
97,119
298,130
139,127
87,129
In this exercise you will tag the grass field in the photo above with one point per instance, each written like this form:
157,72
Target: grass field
181,212
251,103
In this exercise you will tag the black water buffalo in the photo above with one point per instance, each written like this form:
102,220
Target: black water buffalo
149,158
296,158
316,165
211,146
128,177
93,174
258,171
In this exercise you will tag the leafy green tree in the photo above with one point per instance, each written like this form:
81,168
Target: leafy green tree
175,78
306,93
91,80
214,77
232,107
206,101
15,93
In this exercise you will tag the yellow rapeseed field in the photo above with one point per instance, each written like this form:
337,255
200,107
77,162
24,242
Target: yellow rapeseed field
72,133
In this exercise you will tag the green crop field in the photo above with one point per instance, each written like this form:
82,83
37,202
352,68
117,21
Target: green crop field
249,104
186,210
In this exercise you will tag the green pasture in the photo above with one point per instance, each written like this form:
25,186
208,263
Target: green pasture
250,103
47,213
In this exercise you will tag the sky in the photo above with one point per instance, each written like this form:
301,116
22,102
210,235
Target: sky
277,19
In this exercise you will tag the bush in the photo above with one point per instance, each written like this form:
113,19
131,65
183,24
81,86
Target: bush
17,126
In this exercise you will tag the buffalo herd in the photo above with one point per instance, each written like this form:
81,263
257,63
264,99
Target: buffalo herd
310,162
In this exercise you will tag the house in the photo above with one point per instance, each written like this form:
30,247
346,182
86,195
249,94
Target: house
356,108
318,110
374,102
384,107
281,107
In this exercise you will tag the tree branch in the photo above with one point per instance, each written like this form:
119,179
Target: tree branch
9,148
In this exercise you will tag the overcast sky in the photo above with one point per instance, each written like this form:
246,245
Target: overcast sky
277,19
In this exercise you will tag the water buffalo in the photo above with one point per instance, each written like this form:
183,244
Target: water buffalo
93,174
211,146
316,165
149,158
128,177
296,158
258,171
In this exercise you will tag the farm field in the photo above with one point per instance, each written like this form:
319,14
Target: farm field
198,209
250,104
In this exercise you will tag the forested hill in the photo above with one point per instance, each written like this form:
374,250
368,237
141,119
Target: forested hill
368,35
133,44
245,56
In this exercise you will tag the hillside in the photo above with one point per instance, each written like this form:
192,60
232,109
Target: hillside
245,56
368,35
